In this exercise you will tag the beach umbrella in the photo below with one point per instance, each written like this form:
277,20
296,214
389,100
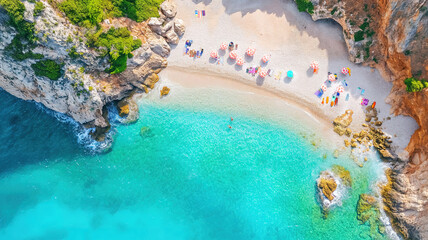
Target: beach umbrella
250,51
345,71
290,74
263,73
324,88
240,61
223,46
315,66
332,77
233,54
214,54
266,58
340,89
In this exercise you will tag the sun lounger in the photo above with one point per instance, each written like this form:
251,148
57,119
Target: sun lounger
347,97
203,13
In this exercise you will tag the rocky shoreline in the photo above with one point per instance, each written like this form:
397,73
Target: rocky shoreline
84,89
390,36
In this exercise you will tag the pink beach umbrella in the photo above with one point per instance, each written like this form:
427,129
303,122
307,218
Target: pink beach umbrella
266,58
324,88
233,54
263,73
223,46
331,77
315,66
240,61
250,51
214,54
340,89
345,71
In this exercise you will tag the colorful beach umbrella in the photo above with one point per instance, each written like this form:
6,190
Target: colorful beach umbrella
214,54
266,58
345,71
223,46
250,51
240,61
315,66
331,77
233,54
340,89
290,74
263,73
324,87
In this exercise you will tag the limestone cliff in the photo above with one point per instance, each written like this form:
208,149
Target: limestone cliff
84,87
391,35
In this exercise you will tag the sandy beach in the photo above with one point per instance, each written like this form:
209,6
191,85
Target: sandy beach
294,41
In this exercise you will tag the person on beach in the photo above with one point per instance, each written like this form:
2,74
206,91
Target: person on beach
202,51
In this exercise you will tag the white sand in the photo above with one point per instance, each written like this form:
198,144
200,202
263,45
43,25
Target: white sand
294,41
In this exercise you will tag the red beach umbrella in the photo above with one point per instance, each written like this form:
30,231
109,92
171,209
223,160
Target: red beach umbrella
263,73
233,54
214,54
240,61
331,77
250,51
223,46
345,70
340,89
324,87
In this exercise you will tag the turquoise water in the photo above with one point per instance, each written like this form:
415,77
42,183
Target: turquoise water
188,177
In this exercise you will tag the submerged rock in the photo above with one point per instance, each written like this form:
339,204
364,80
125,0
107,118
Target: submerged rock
145,132
368,212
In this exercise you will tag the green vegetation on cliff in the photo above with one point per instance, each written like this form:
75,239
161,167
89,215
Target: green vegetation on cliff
117,43
47,68
415,85
305,6
89,13
21,45
38,8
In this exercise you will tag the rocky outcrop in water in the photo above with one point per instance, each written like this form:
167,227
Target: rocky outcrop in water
332,186
84,88
392,36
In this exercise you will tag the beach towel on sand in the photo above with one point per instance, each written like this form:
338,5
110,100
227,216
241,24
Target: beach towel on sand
203,13
319,93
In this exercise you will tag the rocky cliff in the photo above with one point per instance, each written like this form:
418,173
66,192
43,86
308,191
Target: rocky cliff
391,35
84,87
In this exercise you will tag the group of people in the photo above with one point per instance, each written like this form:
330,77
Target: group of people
191,52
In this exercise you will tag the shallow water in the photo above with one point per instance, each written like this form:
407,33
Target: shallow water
188,177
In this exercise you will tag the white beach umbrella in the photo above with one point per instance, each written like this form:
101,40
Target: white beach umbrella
315,66
332,77
214,54
250,51
345,70
324,87
233,54
262,72
340,89
223,46
240,61
266,58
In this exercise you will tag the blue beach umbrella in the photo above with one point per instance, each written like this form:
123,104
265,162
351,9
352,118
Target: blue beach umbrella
290,74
